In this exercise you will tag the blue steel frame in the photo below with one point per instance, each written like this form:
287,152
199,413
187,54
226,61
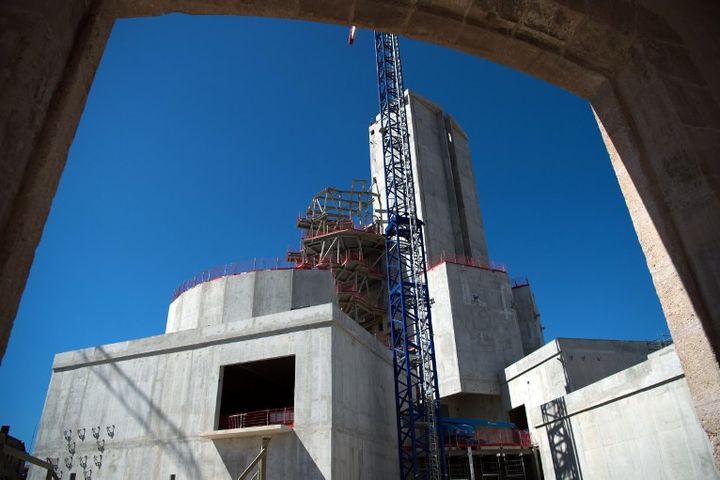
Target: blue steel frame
421,451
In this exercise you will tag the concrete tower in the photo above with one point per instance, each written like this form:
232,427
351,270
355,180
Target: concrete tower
447,200
476,328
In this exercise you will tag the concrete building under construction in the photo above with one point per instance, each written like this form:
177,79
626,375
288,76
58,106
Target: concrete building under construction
291,360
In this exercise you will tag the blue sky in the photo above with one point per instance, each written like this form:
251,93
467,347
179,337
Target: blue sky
204,137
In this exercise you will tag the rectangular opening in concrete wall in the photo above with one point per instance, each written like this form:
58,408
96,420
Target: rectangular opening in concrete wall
256,394
518,416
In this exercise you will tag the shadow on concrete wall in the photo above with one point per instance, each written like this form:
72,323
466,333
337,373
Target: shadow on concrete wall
561,440
182,451
287,457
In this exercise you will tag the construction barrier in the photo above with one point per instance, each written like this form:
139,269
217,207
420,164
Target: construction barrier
260,418
466,261
234,268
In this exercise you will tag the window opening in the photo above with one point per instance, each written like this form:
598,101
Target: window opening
257,393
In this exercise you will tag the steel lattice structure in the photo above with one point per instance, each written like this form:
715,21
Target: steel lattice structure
416,387
342,234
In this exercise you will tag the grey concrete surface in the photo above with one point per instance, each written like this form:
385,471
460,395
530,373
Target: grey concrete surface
445,188
528,316
637,423
160,393
252,294
476,331
568,364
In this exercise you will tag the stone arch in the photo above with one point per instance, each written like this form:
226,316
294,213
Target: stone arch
648,67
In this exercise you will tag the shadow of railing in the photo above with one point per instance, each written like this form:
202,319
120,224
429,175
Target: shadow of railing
561,440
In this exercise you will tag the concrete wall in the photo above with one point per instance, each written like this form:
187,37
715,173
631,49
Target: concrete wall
247,295
364,432
476,332
528,316
638,423
471,405
567,364
648,67
161,393
445,188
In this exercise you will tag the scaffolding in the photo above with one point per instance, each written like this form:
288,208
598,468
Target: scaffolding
341,233
476,465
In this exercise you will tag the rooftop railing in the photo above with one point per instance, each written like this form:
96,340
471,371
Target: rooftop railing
466,261
234,268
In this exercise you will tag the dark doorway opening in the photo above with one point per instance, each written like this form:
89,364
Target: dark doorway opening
518,416
257,393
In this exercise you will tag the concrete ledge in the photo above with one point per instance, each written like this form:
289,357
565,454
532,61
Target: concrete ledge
547,352
318,316
275,324
265,430
663,367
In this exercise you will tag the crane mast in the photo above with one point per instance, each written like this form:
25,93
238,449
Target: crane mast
416,386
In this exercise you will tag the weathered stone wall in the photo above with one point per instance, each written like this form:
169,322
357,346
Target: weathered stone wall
49,52
649,67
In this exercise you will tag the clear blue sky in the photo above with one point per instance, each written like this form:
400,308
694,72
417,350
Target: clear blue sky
204,137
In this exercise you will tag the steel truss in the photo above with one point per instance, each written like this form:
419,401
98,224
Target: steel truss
421,451
342,234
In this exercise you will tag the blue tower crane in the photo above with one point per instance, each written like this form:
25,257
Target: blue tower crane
421,451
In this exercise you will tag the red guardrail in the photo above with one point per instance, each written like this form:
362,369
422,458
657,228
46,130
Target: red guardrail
466,261
260,418
234,268
327,261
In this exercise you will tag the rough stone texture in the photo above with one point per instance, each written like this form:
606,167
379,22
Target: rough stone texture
638,423
649,67
344,426
49,51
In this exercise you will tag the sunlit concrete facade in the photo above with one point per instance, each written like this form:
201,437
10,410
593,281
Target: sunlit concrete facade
162,393
475,315
160,396
610,409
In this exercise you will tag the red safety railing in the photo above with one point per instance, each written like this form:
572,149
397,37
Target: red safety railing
318,227
234,268
260,418
466,261
333,261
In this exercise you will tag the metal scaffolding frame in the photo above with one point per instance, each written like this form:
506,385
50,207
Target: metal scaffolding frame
341,234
